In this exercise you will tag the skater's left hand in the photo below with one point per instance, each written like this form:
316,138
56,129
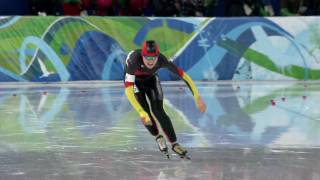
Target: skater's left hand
145,118
201,105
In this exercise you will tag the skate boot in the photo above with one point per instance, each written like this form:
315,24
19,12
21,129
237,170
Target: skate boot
161,141
179,150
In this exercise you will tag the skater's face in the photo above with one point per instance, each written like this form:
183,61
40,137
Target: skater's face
150,61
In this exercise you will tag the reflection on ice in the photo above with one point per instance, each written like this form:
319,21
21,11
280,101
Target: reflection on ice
266,127
213,163
238,114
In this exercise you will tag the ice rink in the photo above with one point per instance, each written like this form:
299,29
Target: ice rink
251,131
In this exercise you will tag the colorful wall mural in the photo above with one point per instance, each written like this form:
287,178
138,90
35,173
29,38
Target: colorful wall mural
47,49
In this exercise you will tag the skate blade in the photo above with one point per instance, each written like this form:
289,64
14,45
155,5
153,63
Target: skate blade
167,155
185,157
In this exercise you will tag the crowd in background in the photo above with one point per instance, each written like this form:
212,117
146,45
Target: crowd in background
200,8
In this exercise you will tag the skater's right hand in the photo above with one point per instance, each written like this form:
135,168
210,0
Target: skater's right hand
201,104
145,118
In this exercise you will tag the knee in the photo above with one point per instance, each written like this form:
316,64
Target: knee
156,105
158,111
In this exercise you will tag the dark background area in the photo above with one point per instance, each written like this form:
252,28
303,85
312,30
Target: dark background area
207,8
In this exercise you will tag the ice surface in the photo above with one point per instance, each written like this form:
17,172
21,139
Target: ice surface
251,130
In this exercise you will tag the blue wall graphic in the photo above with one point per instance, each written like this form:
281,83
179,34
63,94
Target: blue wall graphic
94,48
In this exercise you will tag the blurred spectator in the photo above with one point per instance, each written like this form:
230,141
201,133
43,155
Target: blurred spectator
15,7
248,8
312,7
254,7
71,7
139,8
292,7
268,9
123,9
300,7
192,8
220,9
88,7
40,7
275,4
165,7
234,8
209,7
48,7
106,7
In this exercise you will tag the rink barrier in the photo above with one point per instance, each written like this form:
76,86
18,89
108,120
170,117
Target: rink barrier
54,49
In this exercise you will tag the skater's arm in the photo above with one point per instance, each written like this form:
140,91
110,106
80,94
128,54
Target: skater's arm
186,78
129,88
129,91
129,83
197,99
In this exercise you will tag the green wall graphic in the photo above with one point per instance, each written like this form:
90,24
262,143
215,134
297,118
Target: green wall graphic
94,48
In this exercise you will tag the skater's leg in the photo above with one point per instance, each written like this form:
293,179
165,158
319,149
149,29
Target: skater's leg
153,129
177,148
154,92
141,98
164,120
